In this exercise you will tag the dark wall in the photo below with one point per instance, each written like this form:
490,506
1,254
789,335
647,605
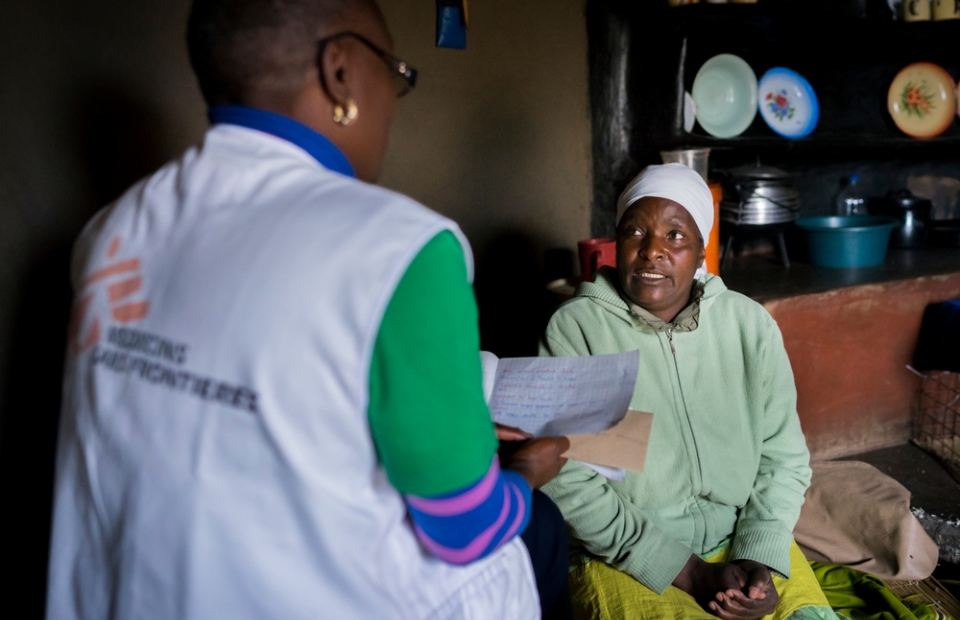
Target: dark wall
609,35
93,95
497,136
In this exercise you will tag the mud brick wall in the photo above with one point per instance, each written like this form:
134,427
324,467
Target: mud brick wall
849,349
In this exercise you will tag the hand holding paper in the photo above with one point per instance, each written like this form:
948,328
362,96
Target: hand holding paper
585,398
539,460
510,433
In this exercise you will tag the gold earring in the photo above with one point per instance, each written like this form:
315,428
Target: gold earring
345,117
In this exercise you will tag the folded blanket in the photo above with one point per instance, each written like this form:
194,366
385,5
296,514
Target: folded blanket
857,516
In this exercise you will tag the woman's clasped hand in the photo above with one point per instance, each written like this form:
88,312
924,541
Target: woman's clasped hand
742,590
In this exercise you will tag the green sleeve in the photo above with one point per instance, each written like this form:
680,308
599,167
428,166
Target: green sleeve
429,421
765,525
614,530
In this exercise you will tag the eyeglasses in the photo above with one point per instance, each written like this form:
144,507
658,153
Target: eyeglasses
403,76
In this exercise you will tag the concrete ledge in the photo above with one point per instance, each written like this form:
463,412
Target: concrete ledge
849,349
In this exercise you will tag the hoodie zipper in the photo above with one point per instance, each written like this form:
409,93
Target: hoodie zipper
698,473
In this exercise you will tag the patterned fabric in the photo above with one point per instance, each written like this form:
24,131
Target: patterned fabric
601,592
469,524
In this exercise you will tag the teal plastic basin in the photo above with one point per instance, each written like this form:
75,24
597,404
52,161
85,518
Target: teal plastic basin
847,240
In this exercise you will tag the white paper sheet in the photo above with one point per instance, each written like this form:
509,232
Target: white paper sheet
488,361
549,396
611,473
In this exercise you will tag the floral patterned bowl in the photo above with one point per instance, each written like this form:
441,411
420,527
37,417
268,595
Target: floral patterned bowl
787,103
922,100
725,94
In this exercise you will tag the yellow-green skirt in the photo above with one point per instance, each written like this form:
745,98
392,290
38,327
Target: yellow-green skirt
601,592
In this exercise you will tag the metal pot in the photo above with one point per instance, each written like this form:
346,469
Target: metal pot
760,195
912,213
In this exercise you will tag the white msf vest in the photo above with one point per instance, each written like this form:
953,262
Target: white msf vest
214,458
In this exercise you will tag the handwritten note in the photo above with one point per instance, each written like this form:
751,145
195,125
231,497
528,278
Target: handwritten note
548,396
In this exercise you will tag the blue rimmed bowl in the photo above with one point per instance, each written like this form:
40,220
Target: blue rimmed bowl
788,103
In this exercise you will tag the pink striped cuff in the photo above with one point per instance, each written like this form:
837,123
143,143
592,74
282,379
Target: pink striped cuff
459,504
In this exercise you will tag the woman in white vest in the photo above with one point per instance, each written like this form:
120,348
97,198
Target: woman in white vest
272,402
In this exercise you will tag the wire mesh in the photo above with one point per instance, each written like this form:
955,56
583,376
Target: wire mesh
936,426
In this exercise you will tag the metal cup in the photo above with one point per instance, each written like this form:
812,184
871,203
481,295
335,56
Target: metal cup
697,159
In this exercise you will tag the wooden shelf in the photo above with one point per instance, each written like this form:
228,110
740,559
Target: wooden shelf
763,278
643,55
849,62
949,142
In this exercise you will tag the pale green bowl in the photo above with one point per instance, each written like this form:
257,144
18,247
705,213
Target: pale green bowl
725,93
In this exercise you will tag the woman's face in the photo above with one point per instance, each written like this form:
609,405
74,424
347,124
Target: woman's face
658,252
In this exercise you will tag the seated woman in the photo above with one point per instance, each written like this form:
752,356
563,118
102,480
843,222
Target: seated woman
706,529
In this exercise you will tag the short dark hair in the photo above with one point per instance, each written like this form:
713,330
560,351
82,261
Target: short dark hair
240,47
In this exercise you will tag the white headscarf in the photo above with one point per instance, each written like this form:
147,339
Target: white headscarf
674,182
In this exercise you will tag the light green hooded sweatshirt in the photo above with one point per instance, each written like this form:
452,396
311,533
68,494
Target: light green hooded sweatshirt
726,458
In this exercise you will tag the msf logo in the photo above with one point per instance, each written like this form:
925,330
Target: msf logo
120,281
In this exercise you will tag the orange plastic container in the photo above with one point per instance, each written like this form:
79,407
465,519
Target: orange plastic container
713,245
